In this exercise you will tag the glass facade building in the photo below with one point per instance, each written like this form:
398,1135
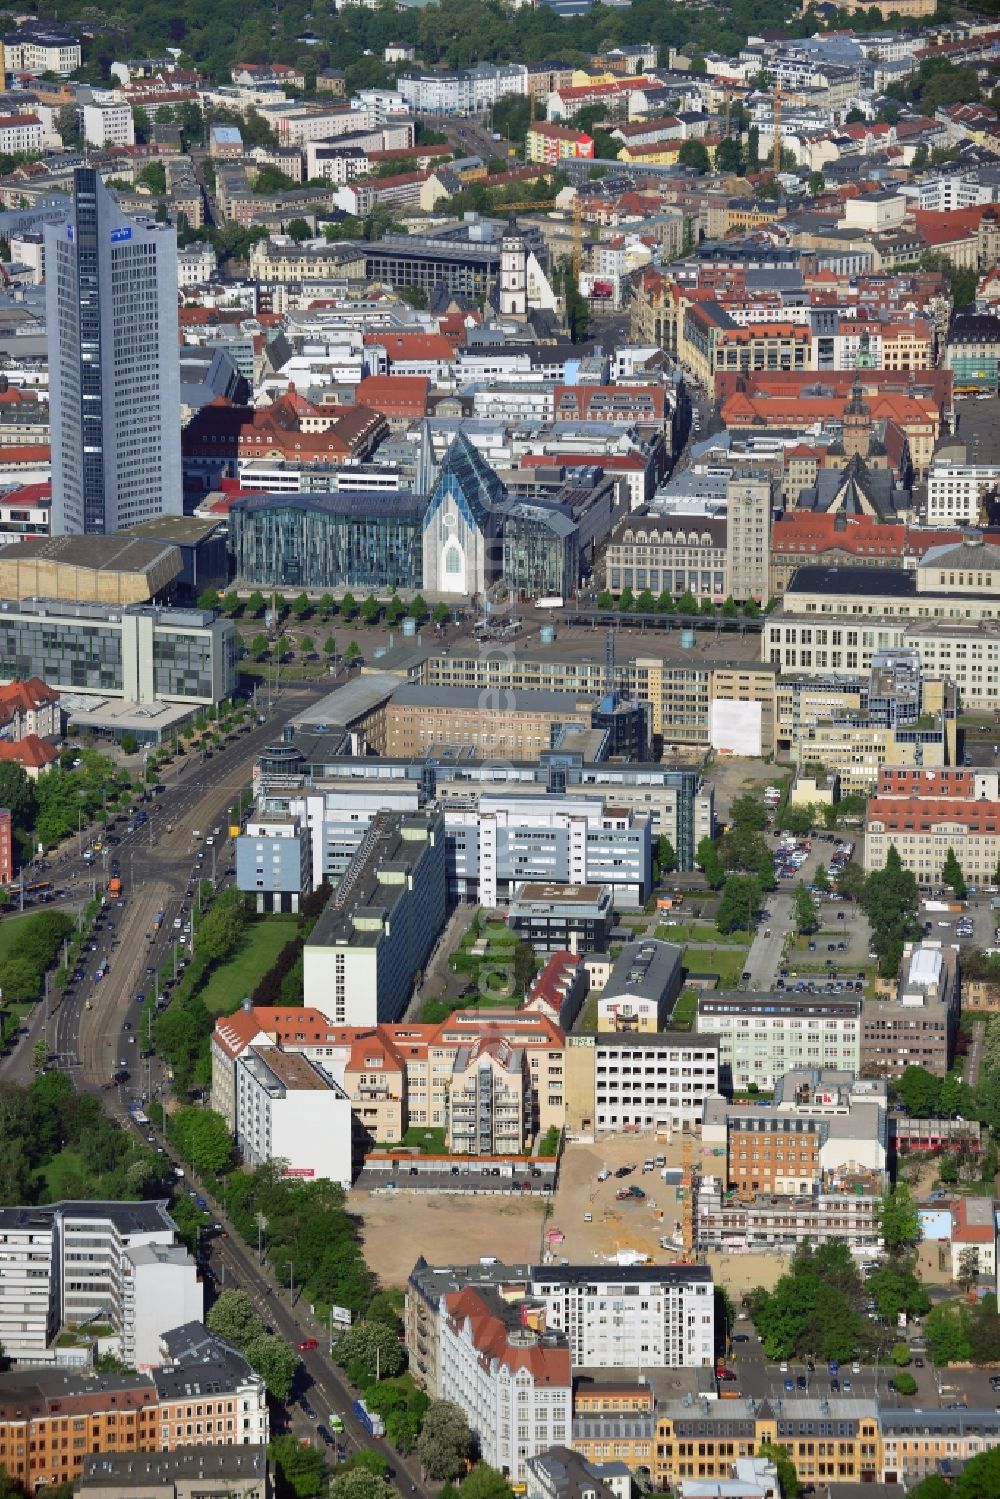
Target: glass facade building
339,539
114,375
140,655
541,549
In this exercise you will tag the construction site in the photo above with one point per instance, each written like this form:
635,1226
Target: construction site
585,1222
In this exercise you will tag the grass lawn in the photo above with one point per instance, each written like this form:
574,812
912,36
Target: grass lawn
698,931
684,1011
427,1138
587,1024
232,982
727,962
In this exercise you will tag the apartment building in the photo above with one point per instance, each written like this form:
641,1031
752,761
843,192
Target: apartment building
20,132
69,1263
762,1036
639,1316
289,1108
30,708
819,1125
554,143
41,47
205,1395
643,986
638,1081
559,990
916,1443
513,1383
918,1027
760,1223
381,923
398,1076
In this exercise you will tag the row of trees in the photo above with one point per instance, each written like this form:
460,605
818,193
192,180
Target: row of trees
303,608
50,809
182,1030
646,602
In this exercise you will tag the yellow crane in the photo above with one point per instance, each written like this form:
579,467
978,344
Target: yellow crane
687,1179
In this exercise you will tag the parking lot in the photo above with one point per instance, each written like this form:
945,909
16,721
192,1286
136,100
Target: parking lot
936,1388
774,945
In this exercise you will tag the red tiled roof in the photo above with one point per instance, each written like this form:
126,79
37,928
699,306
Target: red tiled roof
24,453
24,696
29,752
921,814
490,1338
401,347
395,395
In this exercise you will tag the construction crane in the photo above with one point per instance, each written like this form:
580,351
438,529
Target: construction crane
577,239
687,1180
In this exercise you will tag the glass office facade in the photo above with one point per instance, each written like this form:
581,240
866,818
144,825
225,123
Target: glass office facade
64,653
139,654
328,540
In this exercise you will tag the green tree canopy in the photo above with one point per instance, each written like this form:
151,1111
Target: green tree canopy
708,861
806,913
951,874
899,1221
445,1442
889,900
739,904
301,1468
369,1351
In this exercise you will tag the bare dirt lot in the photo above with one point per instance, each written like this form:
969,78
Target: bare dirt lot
447,1229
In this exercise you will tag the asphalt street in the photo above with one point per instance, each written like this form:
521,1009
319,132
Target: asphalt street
231,1262
159,868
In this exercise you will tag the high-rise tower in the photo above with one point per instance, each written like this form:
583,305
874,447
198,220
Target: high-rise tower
114,373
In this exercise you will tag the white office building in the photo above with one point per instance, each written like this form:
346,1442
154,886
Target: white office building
71,1263
288,1108
108,122
631,1317
955,492
155,1277
653,1081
